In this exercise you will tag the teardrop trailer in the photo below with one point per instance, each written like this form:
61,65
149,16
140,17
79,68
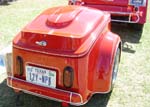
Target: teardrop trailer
133,12
63,57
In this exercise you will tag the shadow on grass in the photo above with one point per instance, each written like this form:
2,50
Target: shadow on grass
98,100
128,35
6,2
8,98
28,100
6,95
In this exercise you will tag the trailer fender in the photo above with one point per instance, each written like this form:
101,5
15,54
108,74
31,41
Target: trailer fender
101,62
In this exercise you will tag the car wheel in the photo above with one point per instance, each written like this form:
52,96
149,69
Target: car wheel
139,27
136,26
115,68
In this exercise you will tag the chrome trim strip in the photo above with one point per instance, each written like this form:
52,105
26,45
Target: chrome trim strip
40,85
70,96
47,97
54,99
47,53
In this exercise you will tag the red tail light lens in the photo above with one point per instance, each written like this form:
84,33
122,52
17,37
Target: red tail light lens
78,3
75,2
68,77
19,65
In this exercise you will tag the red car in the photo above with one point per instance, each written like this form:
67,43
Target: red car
128,11
63,57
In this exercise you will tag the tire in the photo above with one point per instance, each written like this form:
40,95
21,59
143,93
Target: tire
115,68
3,2
136,26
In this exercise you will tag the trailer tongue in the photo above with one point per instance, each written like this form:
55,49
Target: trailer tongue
107,2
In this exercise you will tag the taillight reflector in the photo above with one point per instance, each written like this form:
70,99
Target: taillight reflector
68,77
19,65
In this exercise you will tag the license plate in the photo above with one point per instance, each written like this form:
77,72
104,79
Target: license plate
41,76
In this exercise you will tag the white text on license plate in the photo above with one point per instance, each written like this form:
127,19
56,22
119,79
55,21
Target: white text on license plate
41,76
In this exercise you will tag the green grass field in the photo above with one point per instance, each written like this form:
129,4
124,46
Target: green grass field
132,88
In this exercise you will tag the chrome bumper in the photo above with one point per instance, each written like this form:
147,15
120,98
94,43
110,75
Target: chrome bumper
45,92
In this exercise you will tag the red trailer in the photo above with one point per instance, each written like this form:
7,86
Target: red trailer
63,57
128,11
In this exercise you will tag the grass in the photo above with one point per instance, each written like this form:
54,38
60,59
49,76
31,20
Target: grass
14,16
132,88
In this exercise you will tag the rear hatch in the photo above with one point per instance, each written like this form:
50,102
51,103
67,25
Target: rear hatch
107,2
63,30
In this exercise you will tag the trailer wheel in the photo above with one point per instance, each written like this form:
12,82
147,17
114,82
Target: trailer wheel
115,68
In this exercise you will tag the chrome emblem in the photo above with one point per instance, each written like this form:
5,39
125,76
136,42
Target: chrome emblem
41,43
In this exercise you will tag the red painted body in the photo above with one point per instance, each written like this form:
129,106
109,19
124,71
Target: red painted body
121,10
88,46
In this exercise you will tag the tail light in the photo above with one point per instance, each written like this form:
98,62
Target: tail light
68,77
19,65
76,2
